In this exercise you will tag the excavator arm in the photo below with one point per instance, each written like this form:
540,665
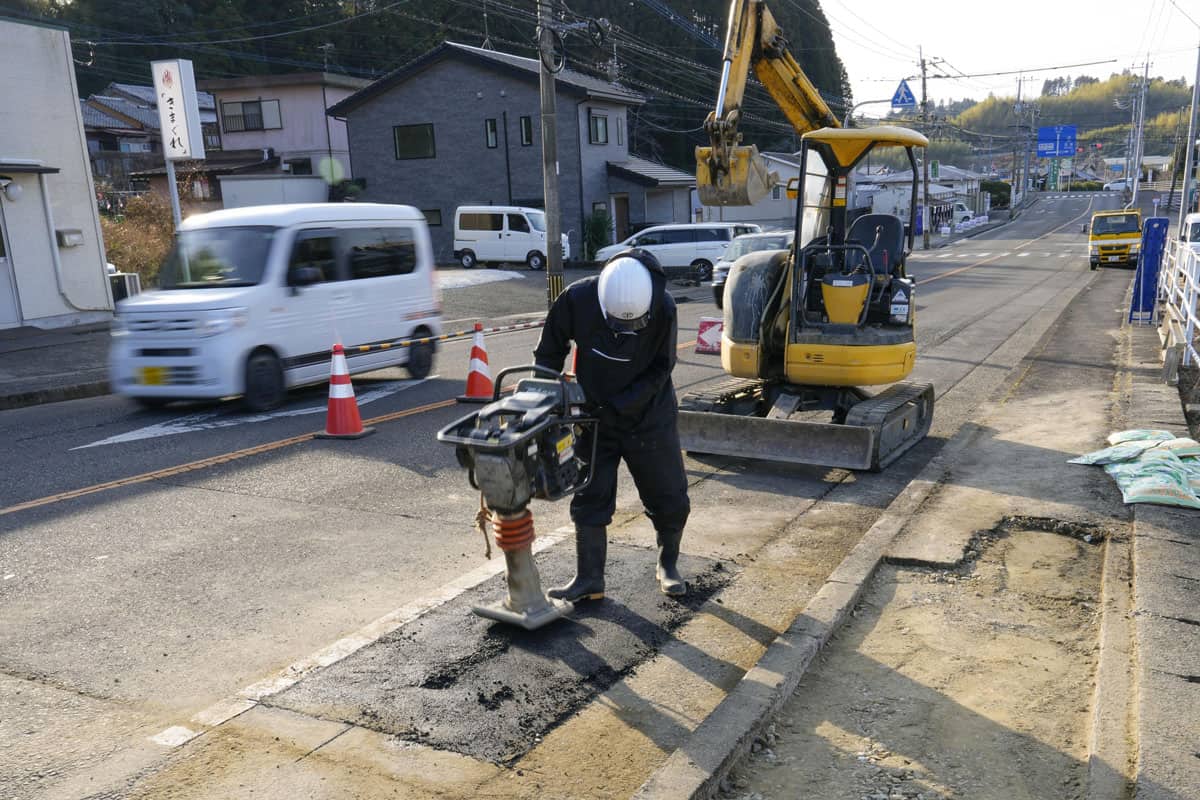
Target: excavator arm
727,172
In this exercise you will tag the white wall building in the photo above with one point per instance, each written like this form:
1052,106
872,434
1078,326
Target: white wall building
52,270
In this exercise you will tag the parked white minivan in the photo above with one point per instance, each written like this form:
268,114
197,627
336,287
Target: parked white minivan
499,234
251,301
696,246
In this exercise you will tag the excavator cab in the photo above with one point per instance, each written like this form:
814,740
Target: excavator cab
806,329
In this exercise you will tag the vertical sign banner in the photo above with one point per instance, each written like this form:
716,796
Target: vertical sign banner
1145,280
178,110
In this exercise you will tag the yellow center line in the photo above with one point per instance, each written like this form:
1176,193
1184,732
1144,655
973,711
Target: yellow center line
204,463
223,458
1026,243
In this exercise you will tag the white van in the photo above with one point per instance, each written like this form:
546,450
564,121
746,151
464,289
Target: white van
499,234
962,213
1189,233
693,245
251,301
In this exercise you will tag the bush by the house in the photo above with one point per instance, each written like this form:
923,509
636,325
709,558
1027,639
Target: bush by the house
1000,191
597,232
139,241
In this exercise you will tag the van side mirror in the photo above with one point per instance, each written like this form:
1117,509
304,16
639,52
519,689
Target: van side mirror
305,276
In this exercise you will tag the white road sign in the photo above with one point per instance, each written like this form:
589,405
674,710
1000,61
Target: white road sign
178,111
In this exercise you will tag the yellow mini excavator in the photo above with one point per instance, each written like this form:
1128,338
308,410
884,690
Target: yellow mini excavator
807,328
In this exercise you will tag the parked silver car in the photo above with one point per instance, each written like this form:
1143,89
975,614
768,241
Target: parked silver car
740,246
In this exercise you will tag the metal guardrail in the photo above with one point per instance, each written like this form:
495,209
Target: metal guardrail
1178,293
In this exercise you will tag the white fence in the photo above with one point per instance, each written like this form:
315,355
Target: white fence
1178,293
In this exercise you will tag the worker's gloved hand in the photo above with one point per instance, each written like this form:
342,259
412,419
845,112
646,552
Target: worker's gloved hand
606,414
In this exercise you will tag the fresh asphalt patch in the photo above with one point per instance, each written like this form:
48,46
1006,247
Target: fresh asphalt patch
455,681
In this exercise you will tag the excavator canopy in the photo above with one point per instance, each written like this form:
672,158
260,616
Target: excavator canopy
849,144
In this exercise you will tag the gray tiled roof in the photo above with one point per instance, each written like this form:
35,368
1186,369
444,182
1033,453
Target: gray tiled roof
661,174
570,77
146,95
95,118
148,117
567,80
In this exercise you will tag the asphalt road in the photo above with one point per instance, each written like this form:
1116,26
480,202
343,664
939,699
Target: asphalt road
154,563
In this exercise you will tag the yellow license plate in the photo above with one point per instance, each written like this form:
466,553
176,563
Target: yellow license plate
153,376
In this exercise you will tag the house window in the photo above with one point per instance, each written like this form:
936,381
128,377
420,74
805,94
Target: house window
597,127
299,166
433,216
251,115
414,141
489,127
526,131
620,130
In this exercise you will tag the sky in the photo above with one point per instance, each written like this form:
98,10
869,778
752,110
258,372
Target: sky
878,42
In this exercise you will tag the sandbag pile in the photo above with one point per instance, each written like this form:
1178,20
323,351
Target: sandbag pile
1151,466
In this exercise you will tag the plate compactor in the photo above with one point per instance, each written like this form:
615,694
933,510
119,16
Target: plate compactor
525,446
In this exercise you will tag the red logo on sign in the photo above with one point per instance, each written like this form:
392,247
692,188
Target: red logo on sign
167,80
708,335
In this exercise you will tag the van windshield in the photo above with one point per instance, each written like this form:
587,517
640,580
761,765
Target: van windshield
537,219
1194,232
211,257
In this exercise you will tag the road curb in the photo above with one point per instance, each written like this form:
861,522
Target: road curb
698,767
55,394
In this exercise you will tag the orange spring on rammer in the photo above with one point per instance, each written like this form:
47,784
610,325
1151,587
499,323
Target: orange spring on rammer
513,534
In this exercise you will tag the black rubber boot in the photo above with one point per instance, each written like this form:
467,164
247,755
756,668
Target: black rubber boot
669,579
591,550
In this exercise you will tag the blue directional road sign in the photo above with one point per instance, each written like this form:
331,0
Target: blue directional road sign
1055,141
903,98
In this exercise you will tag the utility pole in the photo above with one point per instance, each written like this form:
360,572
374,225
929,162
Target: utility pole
1189,162
1014,193
1141,127
925,215
549,112
1035,111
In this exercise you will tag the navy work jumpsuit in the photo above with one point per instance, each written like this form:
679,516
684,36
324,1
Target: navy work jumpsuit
627,380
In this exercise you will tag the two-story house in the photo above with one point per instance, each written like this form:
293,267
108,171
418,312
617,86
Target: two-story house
460,125
285,114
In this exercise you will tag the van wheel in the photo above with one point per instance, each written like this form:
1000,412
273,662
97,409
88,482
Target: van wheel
467,259
535,261
420,360
265,388
702,270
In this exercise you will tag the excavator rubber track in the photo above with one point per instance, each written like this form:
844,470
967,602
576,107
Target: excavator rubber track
738,418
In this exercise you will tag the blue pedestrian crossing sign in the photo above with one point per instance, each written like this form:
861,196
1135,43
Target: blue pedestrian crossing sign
903,98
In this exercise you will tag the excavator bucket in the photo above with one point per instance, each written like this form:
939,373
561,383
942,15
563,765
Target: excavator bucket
743,182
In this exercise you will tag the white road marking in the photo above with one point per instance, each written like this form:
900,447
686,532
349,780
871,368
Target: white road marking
174,736
10,576
211,420
981,255
224,710
462,278
1002,255
1024,255
946,255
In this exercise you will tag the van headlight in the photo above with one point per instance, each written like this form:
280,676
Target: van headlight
1094,249
221,321
1133,248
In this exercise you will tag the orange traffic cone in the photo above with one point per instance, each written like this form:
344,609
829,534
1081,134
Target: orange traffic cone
342,420
479,377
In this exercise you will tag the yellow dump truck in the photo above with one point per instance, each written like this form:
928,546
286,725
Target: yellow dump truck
1114,237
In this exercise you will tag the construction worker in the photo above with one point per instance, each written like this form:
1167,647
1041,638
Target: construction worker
623,323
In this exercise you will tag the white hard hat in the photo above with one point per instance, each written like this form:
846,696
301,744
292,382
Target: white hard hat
625,291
